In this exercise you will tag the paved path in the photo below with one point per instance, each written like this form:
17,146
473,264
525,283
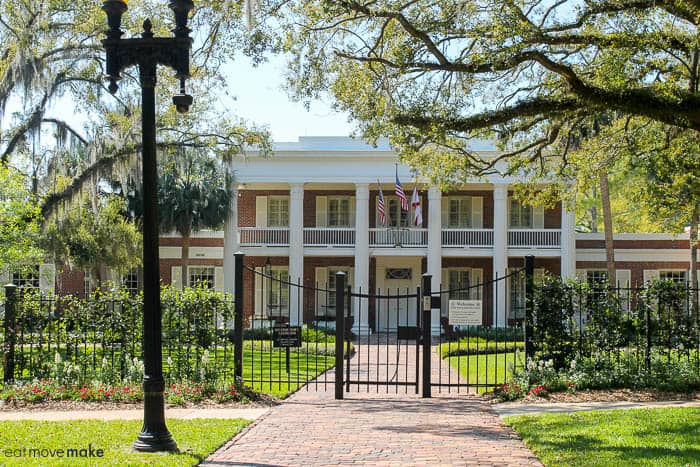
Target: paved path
133,414
379,429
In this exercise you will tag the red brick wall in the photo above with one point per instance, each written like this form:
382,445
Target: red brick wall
246,204
70,281
637,244
636,267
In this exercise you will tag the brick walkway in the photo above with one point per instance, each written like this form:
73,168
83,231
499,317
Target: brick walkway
370,428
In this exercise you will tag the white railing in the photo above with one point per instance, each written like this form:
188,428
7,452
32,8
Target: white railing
394,237
536,238
329,236
264,236
467,237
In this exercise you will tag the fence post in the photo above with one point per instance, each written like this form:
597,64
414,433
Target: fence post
426,334
8,361
339,332
238,317
529,305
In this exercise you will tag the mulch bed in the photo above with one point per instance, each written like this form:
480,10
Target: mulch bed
607,395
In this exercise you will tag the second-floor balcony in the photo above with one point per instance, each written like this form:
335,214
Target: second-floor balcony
344,237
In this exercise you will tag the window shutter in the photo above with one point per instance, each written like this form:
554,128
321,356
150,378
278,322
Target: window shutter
477,278
321,298
650,275
512,215
261,211
351,277
538,217
321,211
581,275
176,277
444,287
445,211
47,279
477,212
623,278
352,211
259,293
219,279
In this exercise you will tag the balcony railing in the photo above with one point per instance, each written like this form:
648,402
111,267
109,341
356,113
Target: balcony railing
329,236
264,236
403,237
398,237
531,238
452,238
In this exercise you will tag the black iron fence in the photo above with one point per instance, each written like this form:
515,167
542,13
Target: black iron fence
76,340
637,335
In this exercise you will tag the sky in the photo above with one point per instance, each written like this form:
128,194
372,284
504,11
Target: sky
261,99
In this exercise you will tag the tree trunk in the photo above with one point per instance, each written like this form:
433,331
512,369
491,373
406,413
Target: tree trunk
185,256
695,219
607,227
594,214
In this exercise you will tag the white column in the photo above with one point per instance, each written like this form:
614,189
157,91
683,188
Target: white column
231,242
500,251
435,251
360,306
568,242
296,252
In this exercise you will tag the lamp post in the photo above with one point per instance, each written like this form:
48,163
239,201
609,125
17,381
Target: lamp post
147,52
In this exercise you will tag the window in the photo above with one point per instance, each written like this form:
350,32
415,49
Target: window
459,283
679,277
339,214
331,287
278,211
88,284
520,215
395,216
460,212
278,292
201,275
516,297
597,278
131,281
27,278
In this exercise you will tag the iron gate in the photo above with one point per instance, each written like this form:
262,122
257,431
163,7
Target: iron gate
286,346
387,361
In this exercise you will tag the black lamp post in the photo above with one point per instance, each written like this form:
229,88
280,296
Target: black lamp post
147,52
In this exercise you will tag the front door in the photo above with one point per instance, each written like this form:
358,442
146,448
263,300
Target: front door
396,278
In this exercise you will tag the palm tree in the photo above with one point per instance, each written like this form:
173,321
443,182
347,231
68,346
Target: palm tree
194,193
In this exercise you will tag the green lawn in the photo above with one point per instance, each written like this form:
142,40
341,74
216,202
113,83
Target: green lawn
489,369
266,371
635,437
196,439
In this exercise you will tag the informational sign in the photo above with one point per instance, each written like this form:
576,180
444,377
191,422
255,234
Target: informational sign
465,313
286,336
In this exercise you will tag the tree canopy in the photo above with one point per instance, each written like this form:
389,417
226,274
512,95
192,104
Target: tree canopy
431,75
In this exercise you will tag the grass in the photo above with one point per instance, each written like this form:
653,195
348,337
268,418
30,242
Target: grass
488,370
196,439
260,362
639,437
265,370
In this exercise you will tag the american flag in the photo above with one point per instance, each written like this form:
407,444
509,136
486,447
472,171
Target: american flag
401,194
380,207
